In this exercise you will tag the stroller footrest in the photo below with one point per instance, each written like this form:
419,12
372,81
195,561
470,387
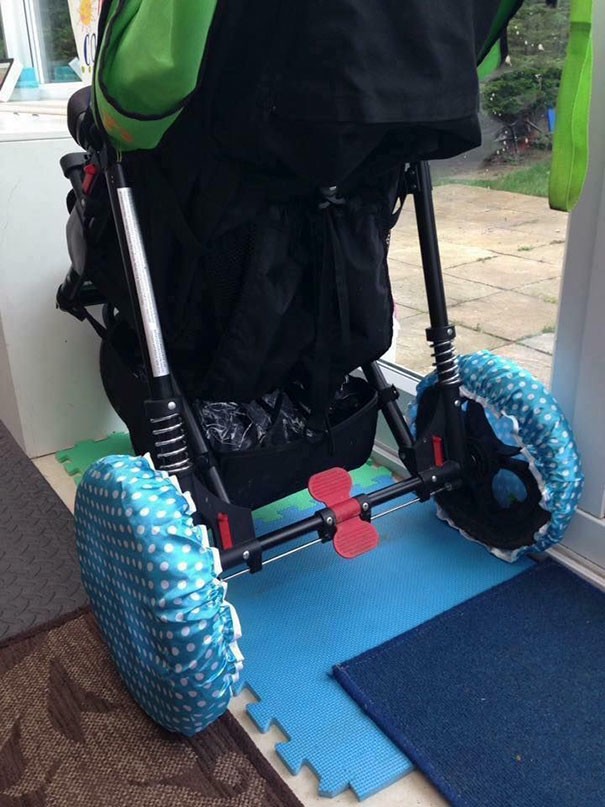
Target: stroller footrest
352,535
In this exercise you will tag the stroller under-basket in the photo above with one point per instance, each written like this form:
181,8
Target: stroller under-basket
242,270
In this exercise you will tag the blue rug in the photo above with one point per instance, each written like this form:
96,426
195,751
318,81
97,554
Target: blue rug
500,700
303,614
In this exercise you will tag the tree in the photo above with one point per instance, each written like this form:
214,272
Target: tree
527,85
57,32
3,53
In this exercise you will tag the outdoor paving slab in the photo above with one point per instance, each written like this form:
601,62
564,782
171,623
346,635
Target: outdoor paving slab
506,271
544,342
551,253
502,255
503,217
464,232
405,248
548,290
506,314
500,239
413,350
405,312
457,208
407,283
554,227
489,199
538,363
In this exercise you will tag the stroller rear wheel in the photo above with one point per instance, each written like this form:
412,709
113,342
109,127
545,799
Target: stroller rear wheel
524,478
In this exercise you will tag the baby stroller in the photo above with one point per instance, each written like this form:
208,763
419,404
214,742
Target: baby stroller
241,262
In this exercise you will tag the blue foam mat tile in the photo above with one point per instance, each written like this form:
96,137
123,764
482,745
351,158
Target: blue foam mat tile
262,716
307,612
359,772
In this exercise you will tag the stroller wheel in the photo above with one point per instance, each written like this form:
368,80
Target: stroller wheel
524,478
152,580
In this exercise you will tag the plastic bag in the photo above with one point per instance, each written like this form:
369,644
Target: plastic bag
273,420
270,421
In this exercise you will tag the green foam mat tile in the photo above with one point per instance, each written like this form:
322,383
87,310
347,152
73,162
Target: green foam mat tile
77,459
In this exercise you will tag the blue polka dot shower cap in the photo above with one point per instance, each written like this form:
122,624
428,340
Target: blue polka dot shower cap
523,412
152,580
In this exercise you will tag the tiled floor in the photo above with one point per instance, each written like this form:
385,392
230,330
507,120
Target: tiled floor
411,791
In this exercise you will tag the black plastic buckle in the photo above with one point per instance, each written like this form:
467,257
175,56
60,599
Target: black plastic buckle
327,531
366,507
441,334
387,395
253,556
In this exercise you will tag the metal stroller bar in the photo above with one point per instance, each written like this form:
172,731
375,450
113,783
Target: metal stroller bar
424,484
441,334
139,282
167,407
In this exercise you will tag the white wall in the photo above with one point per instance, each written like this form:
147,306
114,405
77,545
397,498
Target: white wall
50,391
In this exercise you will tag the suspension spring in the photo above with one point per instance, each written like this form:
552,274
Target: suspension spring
445,362
170,443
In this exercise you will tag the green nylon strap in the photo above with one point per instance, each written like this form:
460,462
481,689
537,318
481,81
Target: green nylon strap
491,62
570,143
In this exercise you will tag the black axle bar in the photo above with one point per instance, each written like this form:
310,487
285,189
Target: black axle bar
424,484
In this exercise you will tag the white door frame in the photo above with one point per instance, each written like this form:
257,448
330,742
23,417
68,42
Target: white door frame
578,379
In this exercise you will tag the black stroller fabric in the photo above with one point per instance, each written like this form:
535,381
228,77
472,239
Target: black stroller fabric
318,87
295,291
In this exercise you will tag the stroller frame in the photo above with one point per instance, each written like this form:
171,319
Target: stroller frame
437,459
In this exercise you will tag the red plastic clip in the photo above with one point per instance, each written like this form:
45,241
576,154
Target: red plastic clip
224,529
438,452
90,172
352,536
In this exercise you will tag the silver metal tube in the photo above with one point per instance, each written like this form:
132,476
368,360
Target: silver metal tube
144,288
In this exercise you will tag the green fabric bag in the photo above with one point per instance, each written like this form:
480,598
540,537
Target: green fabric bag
570,143
148,65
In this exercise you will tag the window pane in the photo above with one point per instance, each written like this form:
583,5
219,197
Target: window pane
3,53
58,45
501,245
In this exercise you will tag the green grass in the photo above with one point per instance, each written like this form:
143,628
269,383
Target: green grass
532,181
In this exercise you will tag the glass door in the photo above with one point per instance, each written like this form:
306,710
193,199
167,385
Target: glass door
501,246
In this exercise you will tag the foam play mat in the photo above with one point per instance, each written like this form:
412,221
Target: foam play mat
78,458
308,611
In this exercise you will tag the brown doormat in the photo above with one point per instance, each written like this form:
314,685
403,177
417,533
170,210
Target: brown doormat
71,736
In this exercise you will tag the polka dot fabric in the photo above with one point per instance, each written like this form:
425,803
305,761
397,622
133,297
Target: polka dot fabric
522,410
151,577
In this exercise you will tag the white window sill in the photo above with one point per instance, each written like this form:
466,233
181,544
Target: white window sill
39,107
26,120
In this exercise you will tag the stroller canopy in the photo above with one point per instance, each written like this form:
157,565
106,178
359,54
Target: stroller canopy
345,62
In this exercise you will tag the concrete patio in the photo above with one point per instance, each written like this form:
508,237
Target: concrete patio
502,257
